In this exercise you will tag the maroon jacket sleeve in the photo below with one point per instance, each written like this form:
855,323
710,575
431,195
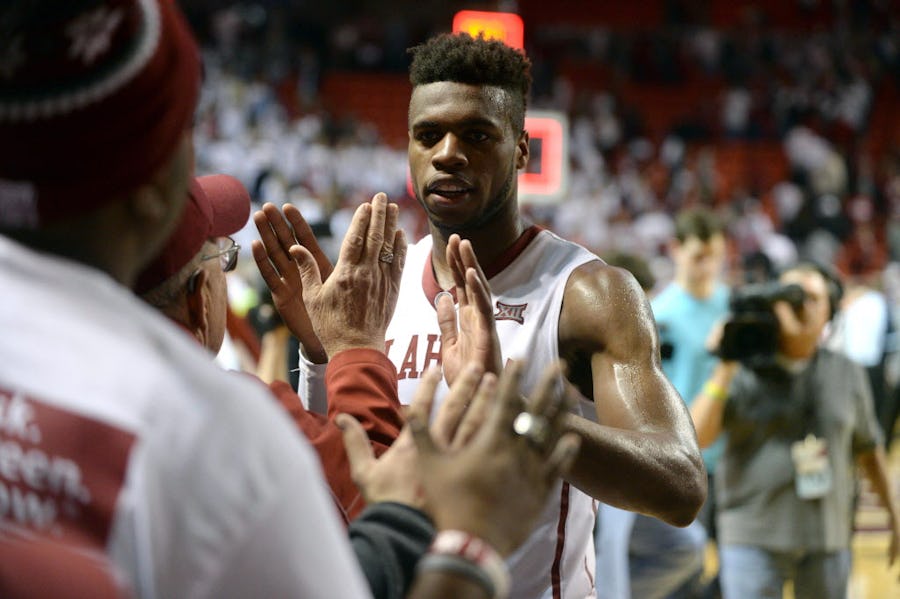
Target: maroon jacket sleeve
362,383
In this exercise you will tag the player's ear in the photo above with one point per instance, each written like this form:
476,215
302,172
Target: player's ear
522,150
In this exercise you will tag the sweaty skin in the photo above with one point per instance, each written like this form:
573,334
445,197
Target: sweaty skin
643,456
645,440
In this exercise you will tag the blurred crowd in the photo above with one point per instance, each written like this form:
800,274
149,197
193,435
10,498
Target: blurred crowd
810,93
702,158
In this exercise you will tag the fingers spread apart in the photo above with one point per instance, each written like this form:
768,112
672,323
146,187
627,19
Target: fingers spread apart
538,423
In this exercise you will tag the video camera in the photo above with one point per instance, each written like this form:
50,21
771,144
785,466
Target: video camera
751,333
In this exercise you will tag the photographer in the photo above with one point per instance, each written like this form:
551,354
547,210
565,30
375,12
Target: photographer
792,426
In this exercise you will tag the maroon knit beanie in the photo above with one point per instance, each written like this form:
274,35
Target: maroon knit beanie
95,96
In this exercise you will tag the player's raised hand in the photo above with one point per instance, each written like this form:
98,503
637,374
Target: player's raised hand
468,334
495,485
280,271
352,307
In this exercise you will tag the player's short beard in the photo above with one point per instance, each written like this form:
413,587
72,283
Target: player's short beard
495,206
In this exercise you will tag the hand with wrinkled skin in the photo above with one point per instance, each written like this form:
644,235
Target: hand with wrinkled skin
280,271
468,334
496,485
394,476
353,306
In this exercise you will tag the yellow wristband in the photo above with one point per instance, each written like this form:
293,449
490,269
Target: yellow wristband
715,391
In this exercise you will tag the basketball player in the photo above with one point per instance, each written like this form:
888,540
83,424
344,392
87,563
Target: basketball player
553,299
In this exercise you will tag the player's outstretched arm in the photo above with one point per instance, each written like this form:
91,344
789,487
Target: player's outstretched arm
643,454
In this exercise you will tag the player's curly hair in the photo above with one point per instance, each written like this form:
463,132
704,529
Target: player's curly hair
475,61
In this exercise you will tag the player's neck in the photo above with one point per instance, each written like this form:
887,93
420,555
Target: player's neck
489,243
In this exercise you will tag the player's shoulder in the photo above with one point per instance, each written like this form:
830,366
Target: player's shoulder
597,278
602,303
597,292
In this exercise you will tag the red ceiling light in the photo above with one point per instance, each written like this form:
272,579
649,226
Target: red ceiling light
504,26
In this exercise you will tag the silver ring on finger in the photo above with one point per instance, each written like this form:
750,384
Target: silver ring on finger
386,257
535,429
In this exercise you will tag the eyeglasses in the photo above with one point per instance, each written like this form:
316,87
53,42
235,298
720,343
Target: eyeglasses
227,254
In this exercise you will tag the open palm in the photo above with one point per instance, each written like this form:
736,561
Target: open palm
467,334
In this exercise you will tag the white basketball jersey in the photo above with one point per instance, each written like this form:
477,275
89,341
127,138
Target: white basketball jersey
558,558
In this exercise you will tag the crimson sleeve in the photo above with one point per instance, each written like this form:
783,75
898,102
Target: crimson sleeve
363,383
